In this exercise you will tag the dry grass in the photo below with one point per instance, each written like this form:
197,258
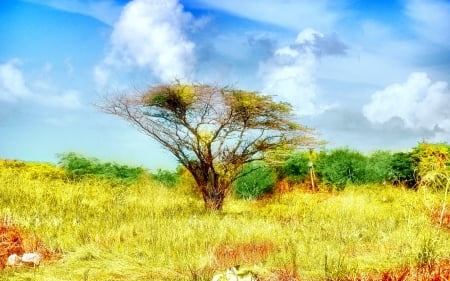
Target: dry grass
148,232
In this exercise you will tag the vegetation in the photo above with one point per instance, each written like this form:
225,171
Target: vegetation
295,168
255,180
154,227
212,131
145,231
78,166
167,178
342,167
403,170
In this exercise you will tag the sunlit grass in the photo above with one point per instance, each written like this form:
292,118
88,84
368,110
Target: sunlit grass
146,231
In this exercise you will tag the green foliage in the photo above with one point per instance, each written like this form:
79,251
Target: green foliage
255,180
78,166
341,167
378,168
295,168
167,178
402,169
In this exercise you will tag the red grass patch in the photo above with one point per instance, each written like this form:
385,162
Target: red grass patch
441,218
228,255
14,240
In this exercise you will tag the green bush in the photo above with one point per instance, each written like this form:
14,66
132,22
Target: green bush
378,168
295,169
78,166
167,178
255,180
402,168
341,167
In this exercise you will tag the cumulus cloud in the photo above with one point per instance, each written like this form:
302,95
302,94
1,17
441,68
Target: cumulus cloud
431,19
291,72
151,34
418,102
15,88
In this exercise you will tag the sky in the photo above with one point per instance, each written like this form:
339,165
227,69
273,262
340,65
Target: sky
368,75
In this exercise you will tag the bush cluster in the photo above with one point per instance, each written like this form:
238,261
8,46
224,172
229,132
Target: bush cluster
255,180
166,177
343,166
78,166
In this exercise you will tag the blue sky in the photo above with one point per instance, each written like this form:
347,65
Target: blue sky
366,74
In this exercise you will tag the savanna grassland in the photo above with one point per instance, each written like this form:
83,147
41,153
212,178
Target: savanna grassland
96,229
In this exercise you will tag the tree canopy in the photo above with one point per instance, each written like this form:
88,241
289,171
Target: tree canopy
212,131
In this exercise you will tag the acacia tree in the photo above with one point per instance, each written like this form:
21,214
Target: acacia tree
212,131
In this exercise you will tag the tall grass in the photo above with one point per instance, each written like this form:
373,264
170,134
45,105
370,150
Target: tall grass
145,231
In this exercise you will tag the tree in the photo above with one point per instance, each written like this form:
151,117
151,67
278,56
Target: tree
212,131
342,167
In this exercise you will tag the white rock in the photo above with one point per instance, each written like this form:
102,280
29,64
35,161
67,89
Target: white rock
13,260
31,258
235,274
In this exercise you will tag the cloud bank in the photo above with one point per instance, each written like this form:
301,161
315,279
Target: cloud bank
418,102
291,71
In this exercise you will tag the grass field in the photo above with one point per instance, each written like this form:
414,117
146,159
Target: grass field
146,231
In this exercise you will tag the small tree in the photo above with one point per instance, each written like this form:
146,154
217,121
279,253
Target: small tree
256,179
402,169
379,167
212,131
342,167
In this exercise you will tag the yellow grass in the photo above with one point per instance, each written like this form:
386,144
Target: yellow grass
146,231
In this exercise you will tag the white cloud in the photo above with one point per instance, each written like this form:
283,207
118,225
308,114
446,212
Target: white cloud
12,82
106,11
15,88
290,74
150,34
418,102
431,19
292,14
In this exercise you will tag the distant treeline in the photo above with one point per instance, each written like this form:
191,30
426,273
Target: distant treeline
427,164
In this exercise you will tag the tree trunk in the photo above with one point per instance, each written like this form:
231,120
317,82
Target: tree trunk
212,187
213,193
213,203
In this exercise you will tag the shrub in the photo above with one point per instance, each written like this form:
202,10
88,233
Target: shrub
295,169
78,166
378,168
166,177
255,180
432,162
402,168
433,165
341,167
